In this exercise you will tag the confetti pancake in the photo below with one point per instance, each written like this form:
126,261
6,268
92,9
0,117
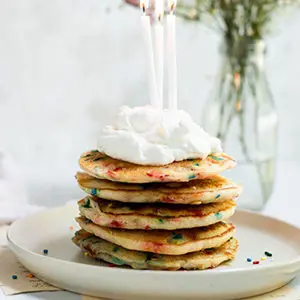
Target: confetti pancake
214,189
101,249
99,165
154,216
163,241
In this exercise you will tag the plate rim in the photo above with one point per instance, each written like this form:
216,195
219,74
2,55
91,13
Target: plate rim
252,269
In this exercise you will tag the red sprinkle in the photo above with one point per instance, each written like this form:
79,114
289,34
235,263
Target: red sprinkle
111,173
147,227
117,169
198,212
111,265
256,262
154,174
116,224
153,247
167,199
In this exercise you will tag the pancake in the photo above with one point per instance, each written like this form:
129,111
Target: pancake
109,252
99,165
162,241
214,189
154,216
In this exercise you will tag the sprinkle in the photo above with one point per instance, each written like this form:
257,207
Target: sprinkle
71,227
94,191
176,238
87,204
147,227
263,258
197,165
14,277
218,215
94,151
117,261
30,275
86,254
249,259
268,254
218,196
154,174
111,265
45,251
98,158
111,173
167,199
216,158
161,221
116,248
192,176
256,262
149,256
115,223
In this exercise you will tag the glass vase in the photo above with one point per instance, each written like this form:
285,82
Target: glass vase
242,114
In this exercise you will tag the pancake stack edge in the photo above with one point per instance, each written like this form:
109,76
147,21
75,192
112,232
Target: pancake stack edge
157,217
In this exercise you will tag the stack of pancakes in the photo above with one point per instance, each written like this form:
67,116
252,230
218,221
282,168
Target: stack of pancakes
157,217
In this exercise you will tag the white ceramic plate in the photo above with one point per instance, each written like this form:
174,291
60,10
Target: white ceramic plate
66,267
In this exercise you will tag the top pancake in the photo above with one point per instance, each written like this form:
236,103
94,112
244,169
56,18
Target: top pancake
100,165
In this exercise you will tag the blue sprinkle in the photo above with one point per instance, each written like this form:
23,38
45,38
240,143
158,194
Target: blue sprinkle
45,251
94,192
216,158
218,196
249,259
192,176
14,277
218,215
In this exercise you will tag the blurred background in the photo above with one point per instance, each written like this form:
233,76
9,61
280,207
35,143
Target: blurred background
66,67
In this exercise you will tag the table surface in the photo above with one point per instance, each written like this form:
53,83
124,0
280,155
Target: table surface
284,204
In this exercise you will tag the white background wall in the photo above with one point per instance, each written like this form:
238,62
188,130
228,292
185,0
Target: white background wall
66,66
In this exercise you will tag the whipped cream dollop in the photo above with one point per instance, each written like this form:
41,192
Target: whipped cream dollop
146,136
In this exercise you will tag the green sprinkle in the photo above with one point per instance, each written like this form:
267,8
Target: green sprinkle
161,221
87,204
218,196
149,256
177,236
87,238
269,254
116,248
216,158
117,261
98,158
192,176
94,151
197,165
88,155
218,215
